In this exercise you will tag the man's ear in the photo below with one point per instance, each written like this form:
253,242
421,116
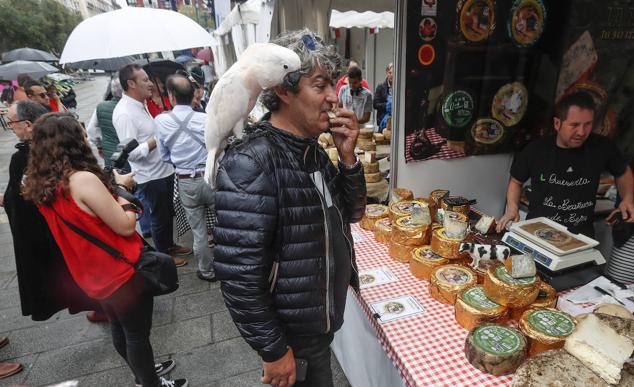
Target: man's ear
556,123
282,94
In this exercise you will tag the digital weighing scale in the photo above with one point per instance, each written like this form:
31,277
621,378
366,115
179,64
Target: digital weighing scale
562,271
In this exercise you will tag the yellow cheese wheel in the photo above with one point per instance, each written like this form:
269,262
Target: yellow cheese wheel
400,194
500,287
373,177
404,208
366,133
445,246
424,261
474,308
383,230
546,328
546,298
400,252
445,282
367,146
373,212
370,167
407,233
455,204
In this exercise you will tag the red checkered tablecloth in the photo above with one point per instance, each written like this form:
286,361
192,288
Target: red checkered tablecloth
427,349
435,138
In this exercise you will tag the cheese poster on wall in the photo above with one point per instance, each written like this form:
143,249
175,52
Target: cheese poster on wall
483,78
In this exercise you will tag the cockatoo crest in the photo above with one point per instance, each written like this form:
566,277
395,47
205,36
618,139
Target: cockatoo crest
261,66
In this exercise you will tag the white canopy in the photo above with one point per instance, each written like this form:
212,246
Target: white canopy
367,19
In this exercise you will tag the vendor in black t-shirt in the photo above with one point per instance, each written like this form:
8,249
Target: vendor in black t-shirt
564,170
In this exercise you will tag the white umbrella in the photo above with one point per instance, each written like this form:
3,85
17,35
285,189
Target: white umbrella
35,70
132,31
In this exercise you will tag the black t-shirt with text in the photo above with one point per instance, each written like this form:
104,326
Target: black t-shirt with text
564,181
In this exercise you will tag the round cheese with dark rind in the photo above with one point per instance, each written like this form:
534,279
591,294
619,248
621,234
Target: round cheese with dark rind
383,230
445,282
495,349
474,308
456,204
424,261
546,328
508,291
373,212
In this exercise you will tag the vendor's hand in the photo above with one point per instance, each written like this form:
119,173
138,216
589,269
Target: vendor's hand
124,180
280,373
345,130
511,215
626,208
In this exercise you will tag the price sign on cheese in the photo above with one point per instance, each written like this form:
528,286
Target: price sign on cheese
551,323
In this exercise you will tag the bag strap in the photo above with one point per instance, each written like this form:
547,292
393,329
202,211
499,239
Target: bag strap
116,254
182,128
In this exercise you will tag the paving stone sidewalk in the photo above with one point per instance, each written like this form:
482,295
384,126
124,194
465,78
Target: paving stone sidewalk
191,326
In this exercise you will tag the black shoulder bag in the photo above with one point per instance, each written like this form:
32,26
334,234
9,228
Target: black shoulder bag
157,268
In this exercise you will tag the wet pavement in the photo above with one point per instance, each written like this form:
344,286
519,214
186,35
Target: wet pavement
191,326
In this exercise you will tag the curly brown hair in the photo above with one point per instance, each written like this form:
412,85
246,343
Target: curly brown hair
59,148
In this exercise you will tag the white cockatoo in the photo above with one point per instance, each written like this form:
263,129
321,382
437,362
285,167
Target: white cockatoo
261,66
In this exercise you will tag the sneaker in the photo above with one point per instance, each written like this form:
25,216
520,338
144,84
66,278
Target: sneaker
173,383
179,250
209,277
164,367
178,261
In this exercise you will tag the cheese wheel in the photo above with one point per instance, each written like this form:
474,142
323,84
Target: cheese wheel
445,246
437,195
483,267
373,212
387,133
500,287
400,252
370,167
495,349
366,133
473,308
546,298
400,194
383,230
373,177
403,208
367,146
455,204
546,328
455,225
379,137
404,231
424,261
446,281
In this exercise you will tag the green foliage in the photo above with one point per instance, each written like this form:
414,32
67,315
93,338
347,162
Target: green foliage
41,24
196,15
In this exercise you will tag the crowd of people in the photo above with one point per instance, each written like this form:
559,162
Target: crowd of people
55,98
279,216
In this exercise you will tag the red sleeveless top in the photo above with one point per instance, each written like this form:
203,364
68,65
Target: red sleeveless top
96,272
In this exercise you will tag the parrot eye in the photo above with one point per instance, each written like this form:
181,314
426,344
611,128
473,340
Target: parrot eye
285,67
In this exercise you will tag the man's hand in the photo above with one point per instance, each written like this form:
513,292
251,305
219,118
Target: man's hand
345,130
511,215
125,180
626,208
280,373
151,143
1,200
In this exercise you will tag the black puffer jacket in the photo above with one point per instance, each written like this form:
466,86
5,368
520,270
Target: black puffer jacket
269,210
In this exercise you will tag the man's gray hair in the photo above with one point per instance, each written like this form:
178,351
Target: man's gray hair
313,53
29,110
115,88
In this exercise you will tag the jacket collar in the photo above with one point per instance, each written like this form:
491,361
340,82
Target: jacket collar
296,144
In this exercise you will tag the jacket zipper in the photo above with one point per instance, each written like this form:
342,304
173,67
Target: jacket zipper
350,248
323,208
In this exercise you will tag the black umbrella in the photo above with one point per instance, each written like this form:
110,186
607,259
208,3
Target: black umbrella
161,69
27,53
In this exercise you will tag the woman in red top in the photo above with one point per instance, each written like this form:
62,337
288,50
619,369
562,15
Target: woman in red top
158,102
65,181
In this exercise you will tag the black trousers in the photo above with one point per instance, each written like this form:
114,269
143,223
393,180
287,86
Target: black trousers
316,351
129,311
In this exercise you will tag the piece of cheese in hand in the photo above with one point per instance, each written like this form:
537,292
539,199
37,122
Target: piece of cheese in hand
600,348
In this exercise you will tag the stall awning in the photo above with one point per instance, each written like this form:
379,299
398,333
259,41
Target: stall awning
367,19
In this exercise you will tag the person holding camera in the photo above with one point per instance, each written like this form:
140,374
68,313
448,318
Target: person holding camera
72,192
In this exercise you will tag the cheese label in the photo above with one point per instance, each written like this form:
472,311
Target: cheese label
551,323
503,275
497,340
375,209
457,109
385,222
453,276
407,206
476,298
407,221
426,254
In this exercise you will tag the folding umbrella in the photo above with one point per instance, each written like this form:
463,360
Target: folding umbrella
35,70
133,31
31,54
